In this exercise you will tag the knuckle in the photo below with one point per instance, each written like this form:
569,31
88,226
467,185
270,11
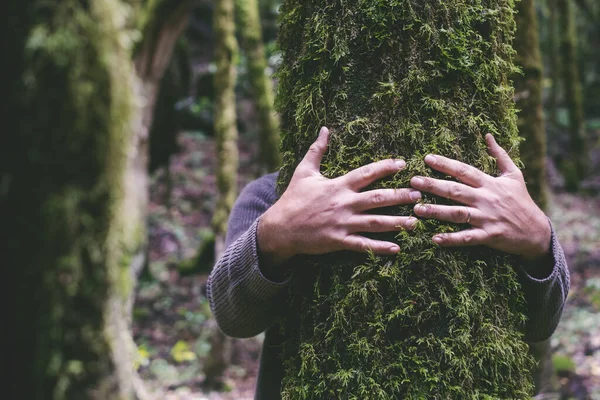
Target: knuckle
455,191
467,238
374,224
459,214
463,171
314,148
367,171
377,198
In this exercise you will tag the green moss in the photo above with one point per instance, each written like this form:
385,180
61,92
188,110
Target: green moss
401,79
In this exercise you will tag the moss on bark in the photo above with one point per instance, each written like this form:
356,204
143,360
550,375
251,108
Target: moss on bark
574,169
528,95
401,79
262,88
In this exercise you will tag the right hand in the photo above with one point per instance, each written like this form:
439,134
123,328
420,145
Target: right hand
317,215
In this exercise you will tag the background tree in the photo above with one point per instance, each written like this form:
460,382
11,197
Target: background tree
528,96
262,88
76,169
226,54
402,79
576,167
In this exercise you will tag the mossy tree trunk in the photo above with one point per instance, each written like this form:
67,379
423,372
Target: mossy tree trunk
226,55
75,183
401,79
262,88
528,96
575,168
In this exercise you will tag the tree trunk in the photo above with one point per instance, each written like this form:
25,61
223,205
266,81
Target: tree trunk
528,95
71,235
554,63
576,167
75,182
262,88
227,160
401,79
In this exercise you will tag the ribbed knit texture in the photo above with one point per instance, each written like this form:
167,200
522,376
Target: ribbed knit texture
246,303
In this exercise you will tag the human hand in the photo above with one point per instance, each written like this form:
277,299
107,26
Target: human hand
500,210
317,215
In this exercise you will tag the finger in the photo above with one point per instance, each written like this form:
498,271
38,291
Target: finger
468,237
456,214
380,223
312,160
505,163
459,170
363,244
384,198
447,189
367,174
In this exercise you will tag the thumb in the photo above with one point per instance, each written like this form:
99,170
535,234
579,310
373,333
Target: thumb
312,159
505,163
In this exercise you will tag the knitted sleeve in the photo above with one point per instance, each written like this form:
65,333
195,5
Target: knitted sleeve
243,301
546,297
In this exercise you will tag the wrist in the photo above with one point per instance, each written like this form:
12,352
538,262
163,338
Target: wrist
271,241
542,245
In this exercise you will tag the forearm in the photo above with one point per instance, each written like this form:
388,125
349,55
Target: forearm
244,302
545,285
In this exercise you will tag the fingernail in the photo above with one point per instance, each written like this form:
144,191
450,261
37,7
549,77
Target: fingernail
400,164
437,239
420,208
394,249
416,181
430,159
414,195
323,131
412,221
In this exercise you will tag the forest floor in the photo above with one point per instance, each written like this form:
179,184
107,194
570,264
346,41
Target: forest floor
172,321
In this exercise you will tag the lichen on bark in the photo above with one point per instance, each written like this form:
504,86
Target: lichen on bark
401,79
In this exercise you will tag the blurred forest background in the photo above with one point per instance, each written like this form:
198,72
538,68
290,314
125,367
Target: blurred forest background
136,125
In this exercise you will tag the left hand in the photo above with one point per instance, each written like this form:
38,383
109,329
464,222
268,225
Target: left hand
500,210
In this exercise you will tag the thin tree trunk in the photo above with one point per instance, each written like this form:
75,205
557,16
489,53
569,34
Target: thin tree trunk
262,88
401,79
554,63
528,95
227,160
575,168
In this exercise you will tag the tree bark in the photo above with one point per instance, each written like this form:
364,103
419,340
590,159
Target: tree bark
575,168
75,182
262,88
401,79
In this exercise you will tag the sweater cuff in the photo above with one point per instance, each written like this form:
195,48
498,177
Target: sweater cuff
257,284
554,259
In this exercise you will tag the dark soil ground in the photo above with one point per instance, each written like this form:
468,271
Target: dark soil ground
172,320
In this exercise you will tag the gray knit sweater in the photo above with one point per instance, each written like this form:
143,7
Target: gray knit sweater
245,302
